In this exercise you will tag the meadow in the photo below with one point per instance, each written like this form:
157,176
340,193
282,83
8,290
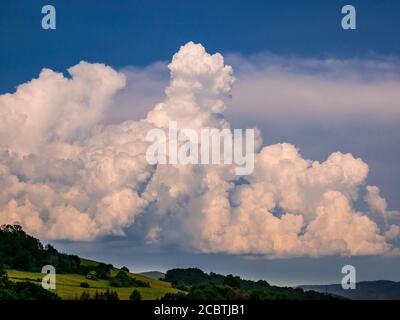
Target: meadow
68,285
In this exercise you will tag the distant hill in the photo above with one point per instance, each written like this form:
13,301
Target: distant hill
153,274
365,290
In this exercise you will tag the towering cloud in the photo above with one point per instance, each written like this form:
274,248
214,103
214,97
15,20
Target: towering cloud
63,175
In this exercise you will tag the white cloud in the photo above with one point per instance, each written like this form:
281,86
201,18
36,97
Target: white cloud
65,175
375,201
313,90
53,107
378,205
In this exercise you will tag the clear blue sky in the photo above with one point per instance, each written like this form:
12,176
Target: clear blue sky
126,32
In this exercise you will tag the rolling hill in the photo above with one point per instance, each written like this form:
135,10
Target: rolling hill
22,257
365,290
68,285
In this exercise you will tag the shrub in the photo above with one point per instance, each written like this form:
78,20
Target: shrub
122,279
106,295
104,270
101,271
84,285
135,295
111,295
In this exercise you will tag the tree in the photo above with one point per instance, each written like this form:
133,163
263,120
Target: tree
50,249
19,250
135,295
3,273
99,296
188,276
122,279
85,295
125,269
232,281
111,295
104,270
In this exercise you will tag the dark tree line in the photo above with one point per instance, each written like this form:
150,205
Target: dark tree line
202,286
109,295
21,251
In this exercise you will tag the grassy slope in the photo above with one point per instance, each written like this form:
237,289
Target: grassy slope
67,285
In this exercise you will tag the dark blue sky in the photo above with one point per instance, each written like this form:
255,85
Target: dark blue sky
133,32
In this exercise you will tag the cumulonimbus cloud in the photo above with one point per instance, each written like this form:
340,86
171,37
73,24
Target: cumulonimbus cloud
310,90
64,175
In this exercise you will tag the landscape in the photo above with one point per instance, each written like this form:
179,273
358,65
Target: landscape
21,256
177,151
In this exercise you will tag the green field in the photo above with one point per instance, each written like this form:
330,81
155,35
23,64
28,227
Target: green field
68,285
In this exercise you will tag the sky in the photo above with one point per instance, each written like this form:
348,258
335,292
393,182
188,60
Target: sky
125,33
300,79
